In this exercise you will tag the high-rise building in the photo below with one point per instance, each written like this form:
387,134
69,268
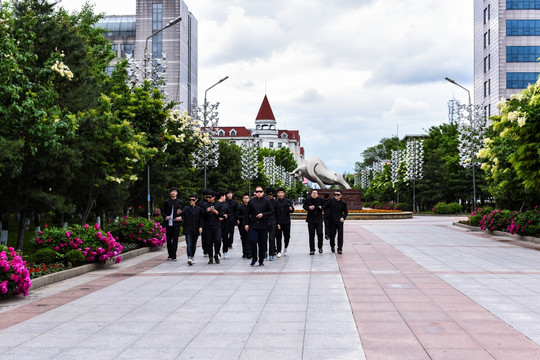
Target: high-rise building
129,34
506,49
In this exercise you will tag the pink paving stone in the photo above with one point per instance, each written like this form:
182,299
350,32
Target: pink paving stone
437,317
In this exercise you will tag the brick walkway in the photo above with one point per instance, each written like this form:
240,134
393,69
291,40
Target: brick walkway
407,289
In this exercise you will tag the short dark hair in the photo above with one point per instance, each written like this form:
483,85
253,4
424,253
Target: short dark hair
270,191
339,191
317,190
228,192
245,194
326,195
220,194
281,189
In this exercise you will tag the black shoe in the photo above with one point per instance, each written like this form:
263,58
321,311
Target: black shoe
253,262
210,261
320,251
216,258
333,250
244,256
312,253
339,251
261,264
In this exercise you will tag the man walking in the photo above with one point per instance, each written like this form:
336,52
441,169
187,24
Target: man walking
224,223
241,211
212,227
193,220
273,224
314,207
171,209
232,204
257,222
284,210
337,212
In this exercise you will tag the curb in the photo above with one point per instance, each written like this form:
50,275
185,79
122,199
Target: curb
365,216
531,239
83,269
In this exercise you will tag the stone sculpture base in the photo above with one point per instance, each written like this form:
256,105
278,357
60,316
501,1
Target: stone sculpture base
352,197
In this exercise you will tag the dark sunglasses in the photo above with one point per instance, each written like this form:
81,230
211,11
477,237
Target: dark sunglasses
207,196
259,191
337,194
192,199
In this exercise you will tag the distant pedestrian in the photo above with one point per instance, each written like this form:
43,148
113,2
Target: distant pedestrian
224,223
232,204
337,213
241,210
270,194
193,220
212,227
284,211
171,211
314,207
325,217
206,195
257,222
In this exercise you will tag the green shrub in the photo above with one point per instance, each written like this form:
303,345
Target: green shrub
141,231
497,220
75,257
46,256
444,208
477,215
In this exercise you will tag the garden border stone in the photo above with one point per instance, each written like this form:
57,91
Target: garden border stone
532,239
83,269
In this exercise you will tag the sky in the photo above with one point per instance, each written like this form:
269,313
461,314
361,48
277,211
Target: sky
345,73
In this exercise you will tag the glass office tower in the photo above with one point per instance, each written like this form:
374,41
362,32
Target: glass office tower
506,49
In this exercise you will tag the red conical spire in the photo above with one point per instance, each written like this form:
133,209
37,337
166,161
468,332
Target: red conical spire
265,112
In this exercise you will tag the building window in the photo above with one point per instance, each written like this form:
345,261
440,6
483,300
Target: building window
522,27
485,88
157,20
489,12
485,64
109,70
485,40
284,136
221,132
522,5
232,132
127,49
271,144
489,61
489,37
522,53
279,144
520,80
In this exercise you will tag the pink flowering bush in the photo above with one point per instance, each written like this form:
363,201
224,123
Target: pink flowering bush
14,276
522,223
95,244
141,231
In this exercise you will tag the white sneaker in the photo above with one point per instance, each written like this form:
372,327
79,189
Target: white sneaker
189,261
278,255
226,255
285,252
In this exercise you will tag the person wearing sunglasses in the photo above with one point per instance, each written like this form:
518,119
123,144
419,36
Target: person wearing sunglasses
213,211
257,222
337,212
193,216
241,211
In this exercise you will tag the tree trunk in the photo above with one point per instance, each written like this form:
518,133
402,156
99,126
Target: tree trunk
89,206
22,225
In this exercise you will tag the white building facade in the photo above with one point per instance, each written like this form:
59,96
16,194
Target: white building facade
506,49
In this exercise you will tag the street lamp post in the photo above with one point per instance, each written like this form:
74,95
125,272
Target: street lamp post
209,120
470,116
169,24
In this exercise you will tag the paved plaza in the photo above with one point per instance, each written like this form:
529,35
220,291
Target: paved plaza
415,289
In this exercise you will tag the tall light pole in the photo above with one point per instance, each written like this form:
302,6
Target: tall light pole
470,111
210,120
169,24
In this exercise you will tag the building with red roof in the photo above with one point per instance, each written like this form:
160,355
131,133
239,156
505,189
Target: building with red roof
265,133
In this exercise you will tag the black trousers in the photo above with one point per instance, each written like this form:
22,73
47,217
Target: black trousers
225,235
272,239
172,233
285,232
312,228
231,234
246,246
212,241
336,227
258,237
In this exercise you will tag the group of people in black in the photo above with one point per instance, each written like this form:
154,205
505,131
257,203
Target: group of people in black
262,221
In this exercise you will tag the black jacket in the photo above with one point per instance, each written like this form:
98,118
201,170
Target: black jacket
241,211
273,217
335,210
193,219
176,206
224,220
211,220
284,211
257,206
232,205
313,216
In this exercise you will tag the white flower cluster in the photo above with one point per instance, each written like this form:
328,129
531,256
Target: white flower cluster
397,156
471,132
62,69
365,174
249,160
414,159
